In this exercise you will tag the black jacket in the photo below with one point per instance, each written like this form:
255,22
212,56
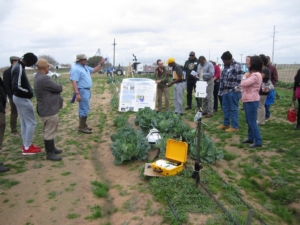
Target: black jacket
2,97
20,84
8,82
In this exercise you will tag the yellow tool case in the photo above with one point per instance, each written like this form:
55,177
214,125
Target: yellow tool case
176,155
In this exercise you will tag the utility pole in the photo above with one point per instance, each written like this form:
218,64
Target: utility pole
241,58
209,55
114,44
273,44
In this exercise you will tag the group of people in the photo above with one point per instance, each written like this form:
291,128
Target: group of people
227,87
186,77
16,87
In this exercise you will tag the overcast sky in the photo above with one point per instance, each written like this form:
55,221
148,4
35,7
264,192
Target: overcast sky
150,29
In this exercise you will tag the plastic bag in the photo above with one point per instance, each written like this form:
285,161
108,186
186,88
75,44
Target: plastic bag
292,113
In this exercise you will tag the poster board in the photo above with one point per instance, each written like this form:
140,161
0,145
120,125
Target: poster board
137,93
201,89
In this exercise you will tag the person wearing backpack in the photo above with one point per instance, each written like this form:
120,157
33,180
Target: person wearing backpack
261,112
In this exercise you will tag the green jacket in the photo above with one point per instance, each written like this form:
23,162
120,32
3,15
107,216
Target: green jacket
164,77
189,66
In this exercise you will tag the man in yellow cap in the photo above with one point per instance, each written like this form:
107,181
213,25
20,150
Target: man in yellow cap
49,102
179,84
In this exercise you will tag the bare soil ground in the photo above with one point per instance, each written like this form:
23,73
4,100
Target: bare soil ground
61,192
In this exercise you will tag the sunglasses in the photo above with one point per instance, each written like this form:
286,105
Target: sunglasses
192,55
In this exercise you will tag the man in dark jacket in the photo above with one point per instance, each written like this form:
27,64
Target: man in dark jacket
161,76
8,89
2,120
49,102
22,93
190,65
2,111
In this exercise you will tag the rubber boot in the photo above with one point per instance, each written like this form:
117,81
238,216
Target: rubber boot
50,155
57,151
82,127
3,169
85,125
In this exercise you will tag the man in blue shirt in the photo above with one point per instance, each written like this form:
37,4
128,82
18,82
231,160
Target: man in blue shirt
230,79
80,76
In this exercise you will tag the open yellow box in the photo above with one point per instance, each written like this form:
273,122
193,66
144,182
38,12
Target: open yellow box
176,156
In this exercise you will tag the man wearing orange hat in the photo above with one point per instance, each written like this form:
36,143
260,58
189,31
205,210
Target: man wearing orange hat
49,102
179,84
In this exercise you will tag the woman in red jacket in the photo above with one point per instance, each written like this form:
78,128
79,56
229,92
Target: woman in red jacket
251,84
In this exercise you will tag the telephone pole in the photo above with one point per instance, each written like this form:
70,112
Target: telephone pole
241,58
114,44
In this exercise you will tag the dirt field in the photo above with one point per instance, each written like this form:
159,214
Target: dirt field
61,192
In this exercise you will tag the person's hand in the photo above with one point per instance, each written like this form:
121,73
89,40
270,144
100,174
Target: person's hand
169,84
247,74
78,98
102,62
158,81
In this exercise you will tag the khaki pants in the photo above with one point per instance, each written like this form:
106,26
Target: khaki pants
2,127
13,116
208,101
50,126
261,112
159,94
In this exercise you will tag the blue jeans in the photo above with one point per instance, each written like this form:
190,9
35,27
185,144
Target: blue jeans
230,106
84,104
268,114
251,114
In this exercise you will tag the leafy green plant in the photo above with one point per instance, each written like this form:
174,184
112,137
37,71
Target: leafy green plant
208,151
115,101
73,216
96,213
65,173
129,144
30,200
120,121
99,189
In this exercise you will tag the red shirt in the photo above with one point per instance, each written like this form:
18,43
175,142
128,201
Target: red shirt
217,72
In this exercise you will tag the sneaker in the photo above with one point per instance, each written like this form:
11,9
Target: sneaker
223,127
254,146
31,151
231,129
208,116
188,108
266,119
38,148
